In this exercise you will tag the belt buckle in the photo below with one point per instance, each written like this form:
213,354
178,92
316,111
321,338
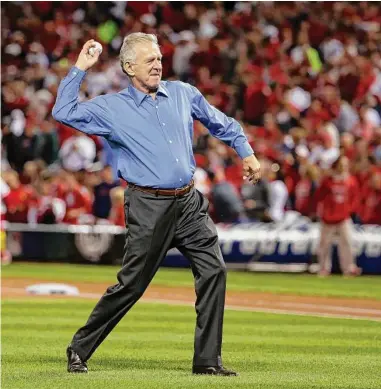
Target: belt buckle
178,190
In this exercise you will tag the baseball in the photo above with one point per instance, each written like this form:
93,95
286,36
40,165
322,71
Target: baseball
96,46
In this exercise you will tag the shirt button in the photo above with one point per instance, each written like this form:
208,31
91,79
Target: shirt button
177,160
157,107
163,124
180,179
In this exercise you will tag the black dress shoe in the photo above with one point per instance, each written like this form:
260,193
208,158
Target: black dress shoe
213,370
74,362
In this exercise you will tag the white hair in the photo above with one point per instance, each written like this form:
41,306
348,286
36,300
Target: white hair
127,51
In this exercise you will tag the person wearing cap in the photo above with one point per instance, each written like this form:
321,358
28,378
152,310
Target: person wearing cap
149,126
336,199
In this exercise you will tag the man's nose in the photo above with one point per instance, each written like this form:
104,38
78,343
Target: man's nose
157,64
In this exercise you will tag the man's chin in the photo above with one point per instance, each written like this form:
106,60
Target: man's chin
154,87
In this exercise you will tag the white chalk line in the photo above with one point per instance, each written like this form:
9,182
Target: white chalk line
271,310
245,309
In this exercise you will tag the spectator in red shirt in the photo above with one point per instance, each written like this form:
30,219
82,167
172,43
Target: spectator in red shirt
366,79
370,208
233,171
50,38
305,189
362,162
77,199
18,200
255,97
336,199
48,209
348,82
347,145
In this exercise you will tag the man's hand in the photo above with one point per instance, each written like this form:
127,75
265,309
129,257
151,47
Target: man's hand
251,169
85,61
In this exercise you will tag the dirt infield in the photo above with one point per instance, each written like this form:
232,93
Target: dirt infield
249,301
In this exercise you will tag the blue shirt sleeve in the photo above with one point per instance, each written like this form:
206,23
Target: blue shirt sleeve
219,125
91,117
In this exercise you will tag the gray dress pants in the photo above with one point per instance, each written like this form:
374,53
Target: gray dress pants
156,224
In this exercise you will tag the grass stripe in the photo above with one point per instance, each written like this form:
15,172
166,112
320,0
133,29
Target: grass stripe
296,284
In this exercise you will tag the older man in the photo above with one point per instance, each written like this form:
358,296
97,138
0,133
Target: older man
149,126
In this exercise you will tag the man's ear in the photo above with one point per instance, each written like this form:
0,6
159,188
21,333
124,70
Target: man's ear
128,69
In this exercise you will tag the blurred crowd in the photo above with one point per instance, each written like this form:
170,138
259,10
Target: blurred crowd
304,79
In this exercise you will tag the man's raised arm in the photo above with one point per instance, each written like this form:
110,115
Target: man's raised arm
91,117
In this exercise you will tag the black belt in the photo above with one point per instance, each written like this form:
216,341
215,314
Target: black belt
164,192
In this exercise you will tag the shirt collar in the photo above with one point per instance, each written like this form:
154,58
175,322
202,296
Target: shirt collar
162,90
138,96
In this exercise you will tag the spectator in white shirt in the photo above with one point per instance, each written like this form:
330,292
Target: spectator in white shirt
278,194
326,153
77,152
201,181
183,53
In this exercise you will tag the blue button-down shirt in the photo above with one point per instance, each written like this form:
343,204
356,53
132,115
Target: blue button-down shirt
151,139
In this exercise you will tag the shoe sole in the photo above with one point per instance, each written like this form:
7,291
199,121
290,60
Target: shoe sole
77,371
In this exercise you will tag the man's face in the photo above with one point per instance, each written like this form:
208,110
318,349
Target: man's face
147,68
343,165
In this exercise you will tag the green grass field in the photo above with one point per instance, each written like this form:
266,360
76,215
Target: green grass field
152,346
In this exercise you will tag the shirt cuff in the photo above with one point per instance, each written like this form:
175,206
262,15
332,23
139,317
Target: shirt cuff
244,150
76,72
